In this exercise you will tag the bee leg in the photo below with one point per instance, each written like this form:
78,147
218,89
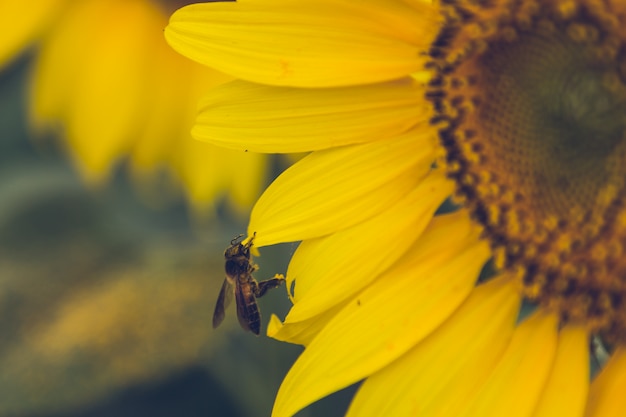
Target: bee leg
263,286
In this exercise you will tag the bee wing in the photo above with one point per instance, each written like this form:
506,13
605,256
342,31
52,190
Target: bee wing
223,300
242,310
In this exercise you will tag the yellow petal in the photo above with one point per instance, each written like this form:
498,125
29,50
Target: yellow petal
565,394
330,269
606,396
176,85
381,324
152,146
208,170
301,332
258,118
105,87
514,387
99,93
57,63
435,247
254,167
448,364
170,108
127,92
22,22
301,44
334,189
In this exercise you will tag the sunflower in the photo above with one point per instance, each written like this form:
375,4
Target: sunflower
512,110
107,82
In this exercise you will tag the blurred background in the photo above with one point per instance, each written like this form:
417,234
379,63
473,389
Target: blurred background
113,223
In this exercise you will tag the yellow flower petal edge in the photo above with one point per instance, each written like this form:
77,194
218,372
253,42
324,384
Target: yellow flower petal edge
565,393
206,171
425,379
359,254
514,387
301,44
334,189
168,103
140,99
301,332
21,25
380,324
434,247
209,171
258,118
606,396
129,43
57,66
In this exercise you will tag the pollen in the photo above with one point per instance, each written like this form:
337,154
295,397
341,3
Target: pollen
530,102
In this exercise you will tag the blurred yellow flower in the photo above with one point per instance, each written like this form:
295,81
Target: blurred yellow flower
105,79
514,106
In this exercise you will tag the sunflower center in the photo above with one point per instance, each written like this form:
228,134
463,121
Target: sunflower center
531,104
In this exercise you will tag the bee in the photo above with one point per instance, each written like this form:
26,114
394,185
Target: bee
240,282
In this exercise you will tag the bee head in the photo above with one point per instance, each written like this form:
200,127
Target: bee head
237,256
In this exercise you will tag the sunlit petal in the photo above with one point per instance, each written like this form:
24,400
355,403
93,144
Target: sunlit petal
57,63
334,189
301,332
259,118
359,254
565,393
107,83
524,368
381,324
465,348
294,43
22,21
89,81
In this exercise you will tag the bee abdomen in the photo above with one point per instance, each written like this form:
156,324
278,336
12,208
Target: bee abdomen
254,317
